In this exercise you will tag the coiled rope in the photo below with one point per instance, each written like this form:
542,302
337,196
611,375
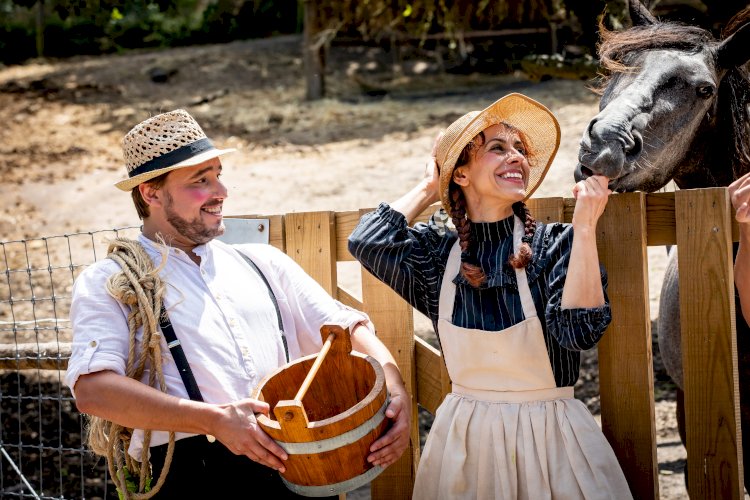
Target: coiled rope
139,287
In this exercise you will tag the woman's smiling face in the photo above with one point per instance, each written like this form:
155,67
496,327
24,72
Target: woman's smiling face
497,173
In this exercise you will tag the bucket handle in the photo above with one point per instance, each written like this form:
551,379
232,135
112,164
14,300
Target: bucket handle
292,412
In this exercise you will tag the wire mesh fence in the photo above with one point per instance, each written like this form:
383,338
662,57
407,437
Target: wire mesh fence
42,451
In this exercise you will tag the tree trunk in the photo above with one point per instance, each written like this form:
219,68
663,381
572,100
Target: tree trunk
313,54
40,28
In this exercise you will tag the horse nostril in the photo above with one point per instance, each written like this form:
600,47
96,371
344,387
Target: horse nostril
590,128
634,151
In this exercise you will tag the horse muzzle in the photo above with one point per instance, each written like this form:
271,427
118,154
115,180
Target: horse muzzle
608,160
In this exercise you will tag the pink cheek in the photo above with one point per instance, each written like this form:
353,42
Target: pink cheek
199,196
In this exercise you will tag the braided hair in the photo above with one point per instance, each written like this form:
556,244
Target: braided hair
470,268
521,259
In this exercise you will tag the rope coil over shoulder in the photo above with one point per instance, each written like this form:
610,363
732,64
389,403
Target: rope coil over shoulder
138,286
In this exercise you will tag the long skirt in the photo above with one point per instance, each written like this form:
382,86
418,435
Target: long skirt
531,450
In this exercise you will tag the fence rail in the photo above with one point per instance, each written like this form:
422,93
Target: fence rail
36,342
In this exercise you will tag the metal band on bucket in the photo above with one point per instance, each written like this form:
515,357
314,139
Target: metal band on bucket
352,436
335,488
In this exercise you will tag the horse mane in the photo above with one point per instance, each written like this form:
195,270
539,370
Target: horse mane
737,21
615,47
730,115
733,100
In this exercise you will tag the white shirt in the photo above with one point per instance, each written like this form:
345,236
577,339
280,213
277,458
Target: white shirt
222,314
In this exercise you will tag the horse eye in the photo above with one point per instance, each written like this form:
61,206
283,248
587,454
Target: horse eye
705,91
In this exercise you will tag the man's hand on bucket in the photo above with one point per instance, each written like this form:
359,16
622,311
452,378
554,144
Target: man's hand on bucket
238,429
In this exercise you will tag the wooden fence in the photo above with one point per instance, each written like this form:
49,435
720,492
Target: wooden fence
700,222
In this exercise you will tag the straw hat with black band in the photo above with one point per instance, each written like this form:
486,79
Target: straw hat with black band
535,121
163,143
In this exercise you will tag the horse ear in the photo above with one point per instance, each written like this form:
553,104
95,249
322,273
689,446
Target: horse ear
639,14
733,51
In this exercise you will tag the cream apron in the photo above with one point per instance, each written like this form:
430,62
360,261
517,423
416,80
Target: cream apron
507,431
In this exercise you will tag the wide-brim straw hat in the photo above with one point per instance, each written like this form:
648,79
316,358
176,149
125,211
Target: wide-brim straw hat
537,123
163,143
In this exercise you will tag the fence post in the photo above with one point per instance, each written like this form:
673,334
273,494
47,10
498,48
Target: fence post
394,321
626,374
709,343
311,241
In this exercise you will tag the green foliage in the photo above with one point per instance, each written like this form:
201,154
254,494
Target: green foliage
99,26
96,26
378,19
16,43
131,483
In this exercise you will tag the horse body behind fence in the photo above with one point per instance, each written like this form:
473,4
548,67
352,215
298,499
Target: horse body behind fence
675,107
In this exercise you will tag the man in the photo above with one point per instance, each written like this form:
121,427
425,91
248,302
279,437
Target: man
238,312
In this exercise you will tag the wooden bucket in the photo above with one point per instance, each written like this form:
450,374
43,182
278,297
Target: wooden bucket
327,409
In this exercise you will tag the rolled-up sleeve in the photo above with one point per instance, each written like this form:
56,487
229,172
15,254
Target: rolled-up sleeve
576,329
308,303
99,323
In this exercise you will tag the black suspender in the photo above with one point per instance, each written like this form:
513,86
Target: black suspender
179,355
273,299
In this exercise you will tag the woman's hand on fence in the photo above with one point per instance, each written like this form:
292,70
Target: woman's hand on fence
238,430
392,444
591,196
739,193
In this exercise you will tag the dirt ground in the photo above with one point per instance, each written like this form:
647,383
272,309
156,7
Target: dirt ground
366,143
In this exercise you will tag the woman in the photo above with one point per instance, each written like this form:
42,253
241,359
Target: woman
511,428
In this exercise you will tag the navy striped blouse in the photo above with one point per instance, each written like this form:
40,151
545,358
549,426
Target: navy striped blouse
412,262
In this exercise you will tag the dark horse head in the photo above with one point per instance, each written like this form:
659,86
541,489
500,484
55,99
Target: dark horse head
674,106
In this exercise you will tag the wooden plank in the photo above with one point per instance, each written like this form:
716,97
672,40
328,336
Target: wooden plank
348,299
345,224
659,207
626,377
546,210
569,204
660,218
310,240
433,382
709,343
276,223
661,223
394,321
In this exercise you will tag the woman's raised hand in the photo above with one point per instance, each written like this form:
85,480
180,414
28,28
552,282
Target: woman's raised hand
591,196
425,193
431,179
583,286
739,193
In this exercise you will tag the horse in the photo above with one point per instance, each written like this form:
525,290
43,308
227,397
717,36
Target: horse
674,107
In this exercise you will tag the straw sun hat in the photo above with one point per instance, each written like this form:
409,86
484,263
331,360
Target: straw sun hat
535,121
164,143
